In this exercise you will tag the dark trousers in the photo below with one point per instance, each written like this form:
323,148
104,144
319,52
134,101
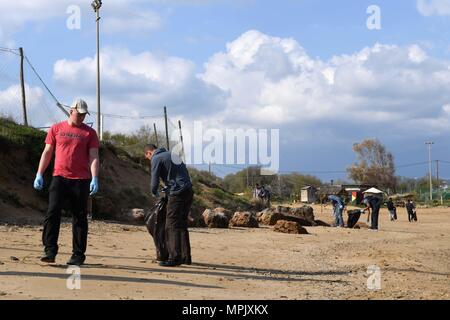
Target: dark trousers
177,234
77,193
374,218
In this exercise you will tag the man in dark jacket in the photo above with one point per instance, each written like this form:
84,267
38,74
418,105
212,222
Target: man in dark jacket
373,203
392,209
176,177
411,209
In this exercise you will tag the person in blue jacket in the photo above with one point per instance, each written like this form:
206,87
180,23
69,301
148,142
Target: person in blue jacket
175,176
338,209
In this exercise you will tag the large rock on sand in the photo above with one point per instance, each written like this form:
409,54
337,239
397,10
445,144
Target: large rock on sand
269,217
289,227
244,219
305,212
215,218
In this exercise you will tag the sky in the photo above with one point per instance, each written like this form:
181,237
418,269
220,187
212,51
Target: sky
312,69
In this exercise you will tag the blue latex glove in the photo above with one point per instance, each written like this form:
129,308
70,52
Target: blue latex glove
94,186
38,182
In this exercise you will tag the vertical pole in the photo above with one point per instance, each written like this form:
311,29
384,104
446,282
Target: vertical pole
22,84
438,182
167,129
102,119
98,75
209,167
429,162
182,143
156,134
247,177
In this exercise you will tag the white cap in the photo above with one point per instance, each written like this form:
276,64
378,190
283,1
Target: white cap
81,106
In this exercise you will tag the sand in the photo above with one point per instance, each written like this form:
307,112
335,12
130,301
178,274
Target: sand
328,263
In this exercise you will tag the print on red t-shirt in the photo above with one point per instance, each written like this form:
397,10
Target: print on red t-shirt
72,146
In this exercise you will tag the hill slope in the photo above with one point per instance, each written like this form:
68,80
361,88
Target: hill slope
124,181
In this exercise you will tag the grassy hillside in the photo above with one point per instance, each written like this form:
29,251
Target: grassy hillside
124,180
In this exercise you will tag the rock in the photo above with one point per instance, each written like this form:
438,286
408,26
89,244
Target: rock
14,258
214,219
132,215
305,212
270,218
289,227
224,211
244,219
299,220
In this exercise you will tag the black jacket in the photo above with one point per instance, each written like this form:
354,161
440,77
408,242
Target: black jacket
175,176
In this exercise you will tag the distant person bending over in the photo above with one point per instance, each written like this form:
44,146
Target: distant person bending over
373,206
75,176
176,177
338,209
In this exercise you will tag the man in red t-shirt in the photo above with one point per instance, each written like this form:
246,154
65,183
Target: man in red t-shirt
75,176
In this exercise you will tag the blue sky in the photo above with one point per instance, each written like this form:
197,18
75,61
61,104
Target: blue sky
193,56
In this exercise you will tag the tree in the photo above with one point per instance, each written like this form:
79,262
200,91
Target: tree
375,166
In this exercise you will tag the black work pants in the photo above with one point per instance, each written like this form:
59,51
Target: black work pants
77,193
177,234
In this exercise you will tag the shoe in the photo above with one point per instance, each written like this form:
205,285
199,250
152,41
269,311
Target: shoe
170,263
48,258
187,262
75,261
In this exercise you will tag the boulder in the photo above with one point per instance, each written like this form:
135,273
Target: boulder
244,219
270,218
214,219
135,215
299,220
305,212
226,212
289,227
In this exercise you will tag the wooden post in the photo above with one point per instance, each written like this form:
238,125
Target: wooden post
182,143
167,129
22,84
156,134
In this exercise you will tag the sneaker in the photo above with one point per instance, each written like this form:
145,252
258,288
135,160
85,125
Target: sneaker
76,261
170,263
48,258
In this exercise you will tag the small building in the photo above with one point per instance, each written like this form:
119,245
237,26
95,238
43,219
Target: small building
325,191
355,192
308,194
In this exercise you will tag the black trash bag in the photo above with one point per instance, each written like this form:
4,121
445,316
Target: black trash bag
353,217
155,222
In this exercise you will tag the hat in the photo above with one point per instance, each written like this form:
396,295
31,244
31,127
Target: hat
81,106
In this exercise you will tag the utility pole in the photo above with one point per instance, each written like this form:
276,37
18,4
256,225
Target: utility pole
156,134
438,182
22,84
247,177
96,5
182,143
167,129
430,143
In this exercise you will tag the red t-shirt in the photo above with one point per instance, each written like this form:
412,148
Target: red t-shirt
72,146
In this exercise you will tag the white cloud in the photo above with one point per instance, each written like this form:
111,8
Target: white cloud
270,82
139,85
122,16
433,7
